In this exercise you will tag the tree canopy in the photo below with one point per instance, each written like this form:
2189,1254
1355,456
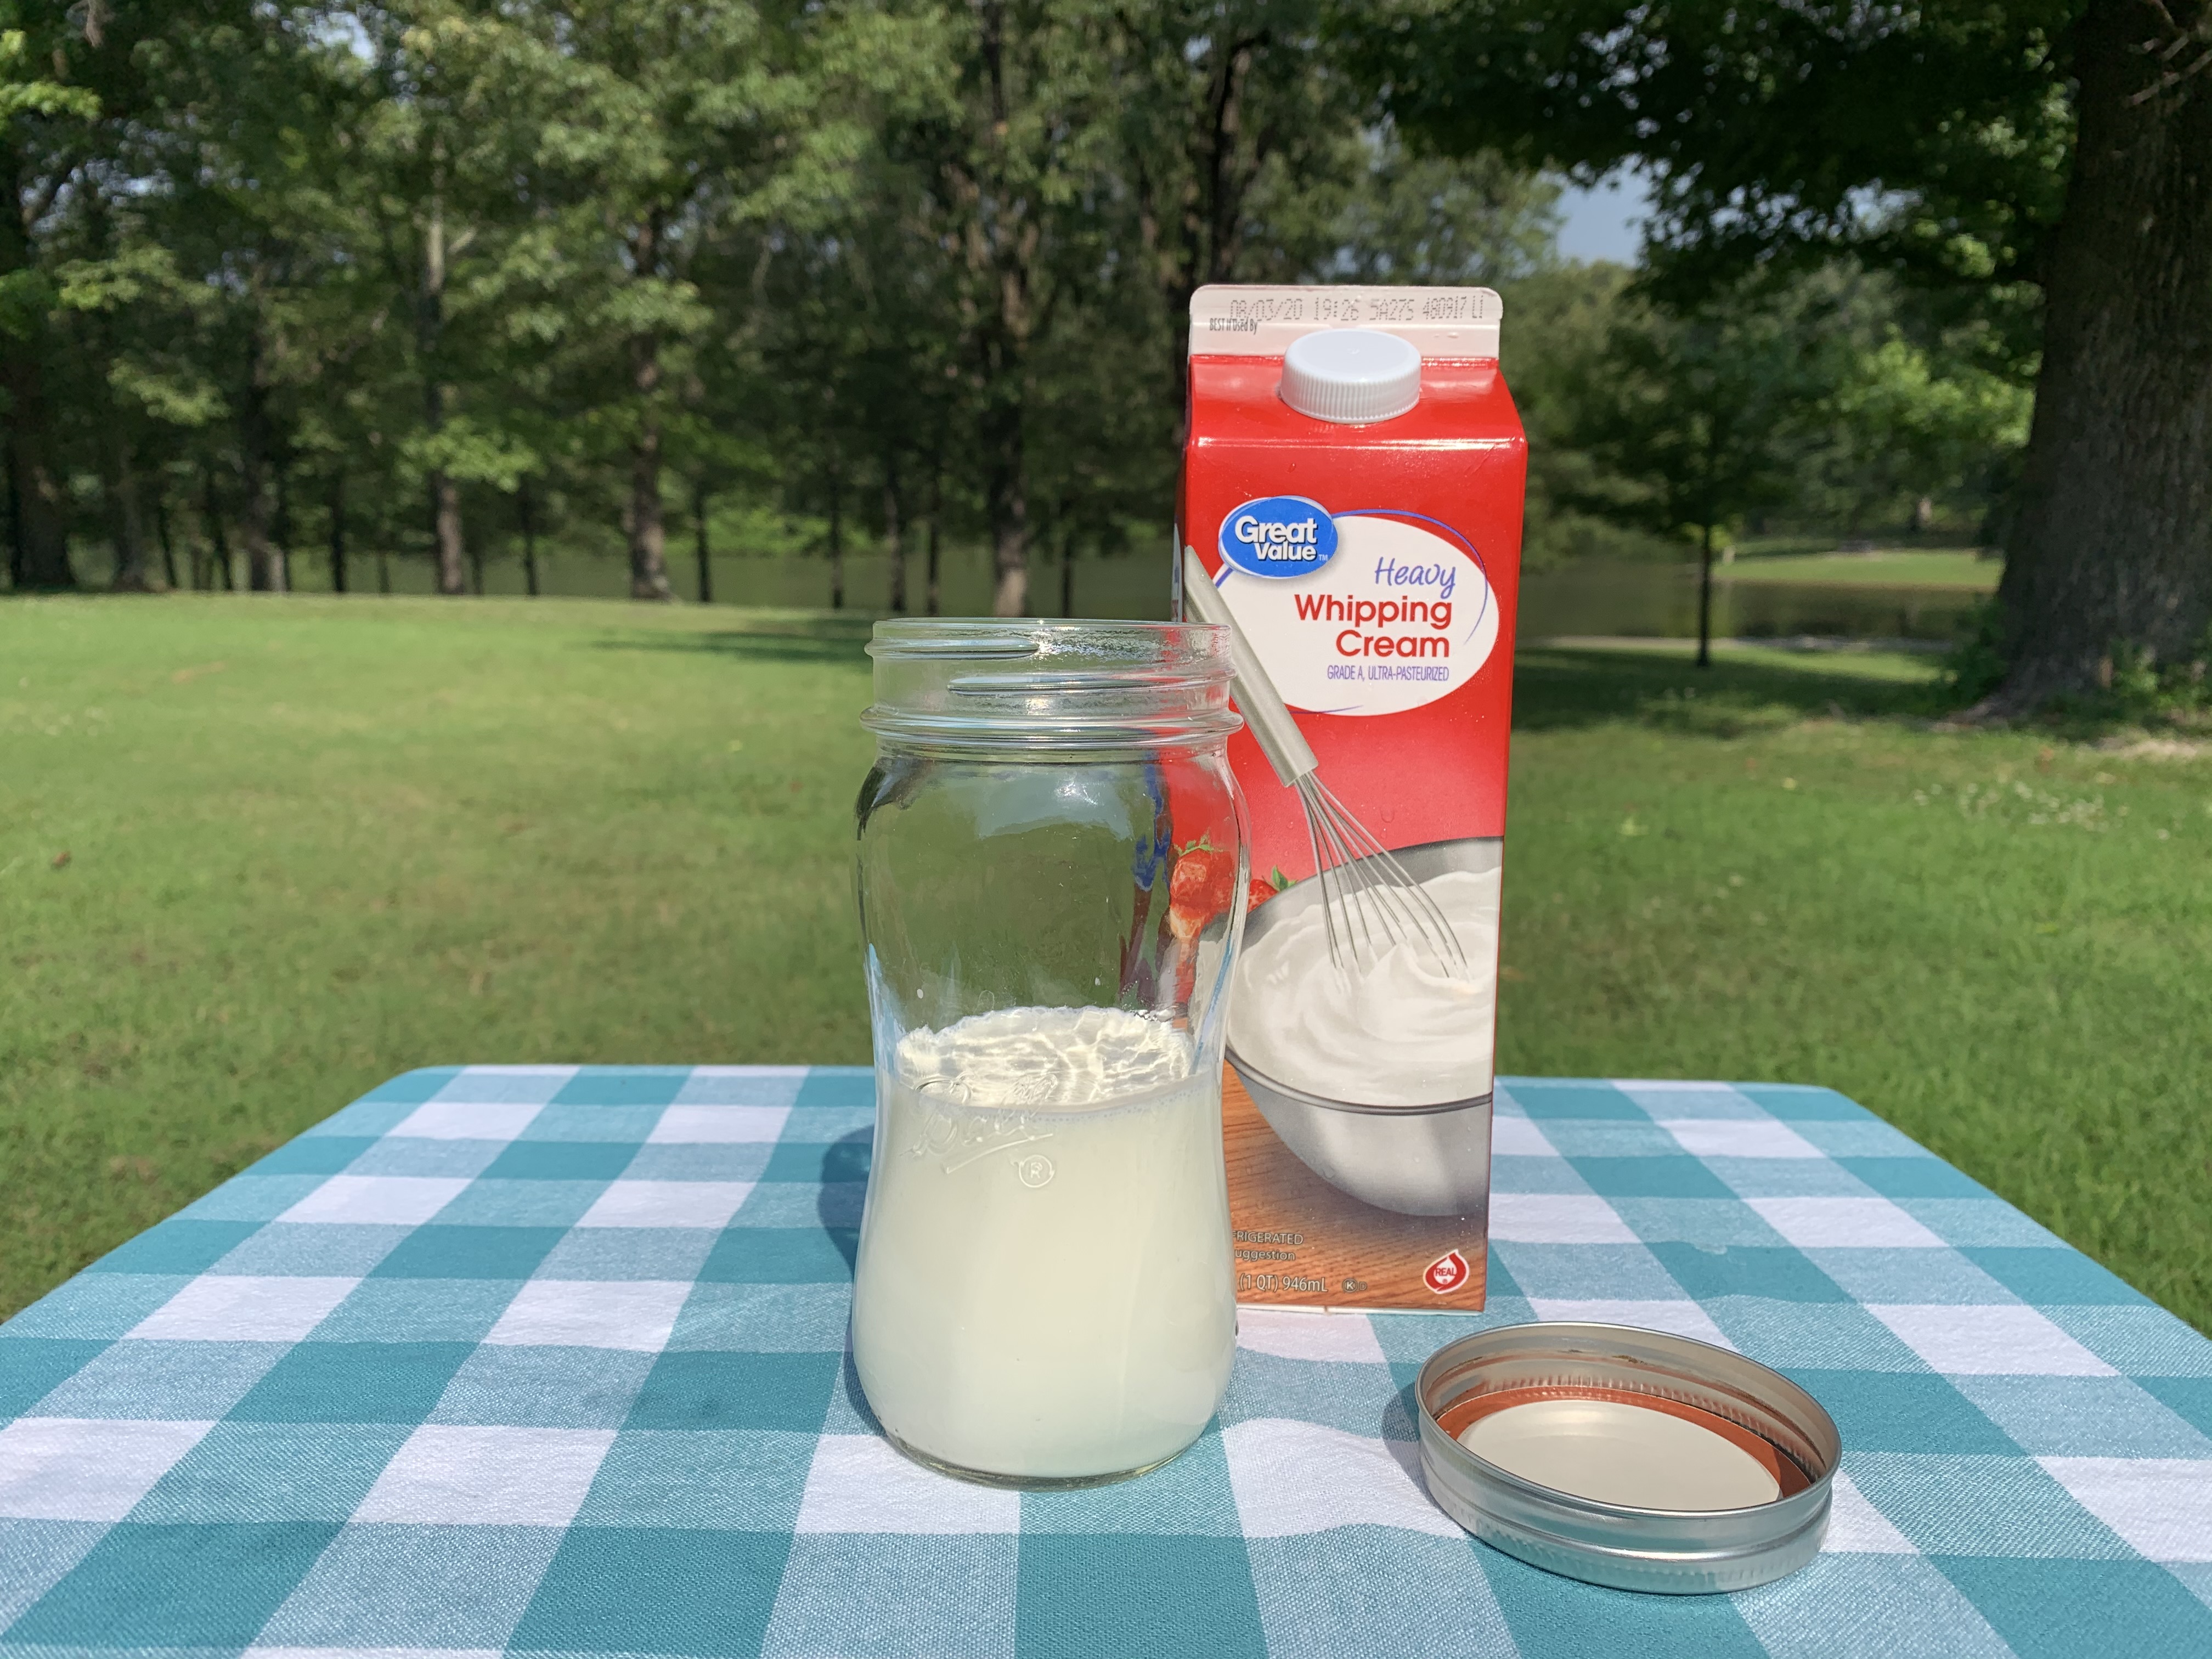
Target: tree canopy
2048,161
295,290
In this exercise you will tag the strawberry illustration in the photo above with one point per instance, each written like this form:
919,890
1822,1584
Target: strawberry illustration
1186,976
1201,878
1257,892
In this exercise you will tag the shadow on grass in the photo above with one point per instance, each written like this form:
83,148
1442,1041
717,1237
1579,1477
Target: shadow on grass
1557,689
828,639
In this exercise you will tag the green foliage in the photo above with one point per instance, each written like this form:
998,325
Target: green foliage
2134,686
26,90
1693,418
413,275
1836,398
1558,322
443,276
2030,164
1976,666
1765,128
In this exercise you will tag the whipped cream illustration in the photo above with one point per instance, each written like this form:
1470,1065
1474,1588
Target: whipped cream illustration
1402,1033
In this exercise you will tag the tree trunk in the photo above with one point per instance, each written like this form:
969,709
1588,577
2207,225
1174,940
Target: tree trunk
337,531
282,526
1006,497
383,571
14,522
648,533
202,549
2113,541
41,509
38,508
699,503
1199,237
447,541
1010,555
648,537
162,535
429,342
126,532
1705,601
894,535
837,537
1068,573
1004,248
217,546
930,595
524,508
264,572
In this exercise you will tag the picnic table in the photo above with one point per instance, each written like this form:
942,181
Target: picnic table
552,1360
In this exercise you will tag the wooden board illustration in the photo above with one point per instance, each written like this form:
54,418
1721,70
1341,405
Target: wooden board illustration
1300,1242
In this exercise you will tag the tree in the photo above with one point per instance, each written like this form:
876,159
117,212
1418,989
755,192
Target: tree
1694,419
674,124
49,133
379,276
2064,144
446,124
1014,151
1251,155
1905,423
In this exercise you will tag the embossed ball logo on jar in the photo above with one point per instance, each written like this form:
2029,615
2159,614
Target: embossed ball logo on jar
1446,1273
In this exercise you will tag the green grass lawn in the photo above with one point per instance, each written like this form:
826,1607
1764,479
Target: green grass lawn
1962,571
313,842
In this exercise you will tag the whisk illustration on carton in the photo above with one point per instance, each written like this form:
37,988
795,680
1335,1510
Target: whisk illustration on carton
1351,509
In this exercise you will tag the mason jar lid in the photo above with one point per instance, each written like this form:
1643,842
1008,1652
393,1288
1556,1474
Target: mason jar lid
1011,683
1629,1458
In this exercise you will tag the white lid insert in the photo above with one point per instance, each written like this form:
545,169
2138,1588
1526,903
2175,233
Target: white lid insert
1351,376
1619,1453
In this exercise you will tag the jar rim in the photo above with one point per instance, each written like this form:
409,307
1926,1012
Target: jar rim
1039,683
1000,638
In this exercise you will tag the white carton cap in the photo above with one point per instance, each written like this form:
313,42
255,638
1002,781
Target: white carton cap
1351,376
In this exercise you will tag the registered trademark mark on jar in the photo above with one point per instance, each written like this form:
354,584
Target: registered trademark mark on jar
1035,1171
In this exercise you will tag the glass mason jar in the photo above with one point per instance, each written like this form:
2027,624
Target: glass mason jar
1052,885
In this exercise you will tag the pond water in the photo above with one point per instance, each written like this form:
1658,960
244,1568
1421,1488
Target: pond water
1648,601
1657,601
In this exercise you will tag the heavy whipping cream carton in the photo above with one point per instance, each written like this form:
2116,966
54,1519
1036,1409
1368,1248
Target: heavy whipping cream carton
1350,502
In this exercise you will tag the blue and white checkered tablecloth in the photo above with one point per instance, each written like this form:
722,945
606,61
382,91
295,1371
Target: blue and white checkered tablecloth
552,1361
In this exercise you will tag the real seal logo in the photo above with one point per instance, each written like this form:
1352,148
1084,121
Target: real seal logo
1446,1273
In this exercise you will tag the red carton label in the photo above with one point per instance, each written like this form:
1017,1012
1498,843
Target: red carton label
1371,567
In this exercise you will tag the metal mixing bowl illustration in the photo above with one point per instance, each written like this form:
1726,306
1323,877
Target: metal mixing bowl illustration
1415,1160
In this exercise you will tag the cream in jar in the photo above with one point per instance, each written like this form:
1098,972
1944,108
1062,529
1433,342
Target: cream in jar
1044,1286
